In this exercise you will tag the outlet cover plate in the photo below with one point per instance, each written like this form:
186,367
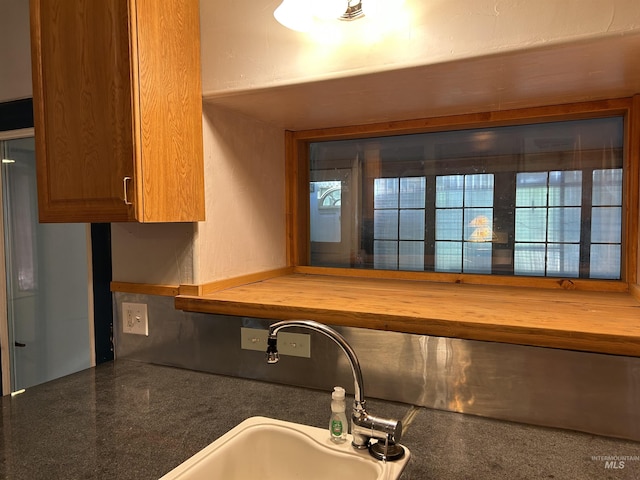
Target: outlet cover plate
294,344
135,319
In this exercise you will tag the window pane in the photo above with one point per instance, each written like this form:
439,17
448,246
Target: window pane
565,189
531,189
412,192
478,190
607,187
412,224
411,256
531,224
563,260
529,259
564,225
385,225
606,224
385,193
478,224
448,257
477,258
605,261
385,255
449,224
324,210
449,191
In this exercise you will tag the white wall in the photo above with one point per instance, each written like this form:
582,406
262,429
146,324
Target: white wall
160,253
15,53
245,199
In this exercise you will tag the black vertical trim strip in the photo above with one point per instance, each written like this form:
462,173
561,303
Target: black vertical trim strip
102,303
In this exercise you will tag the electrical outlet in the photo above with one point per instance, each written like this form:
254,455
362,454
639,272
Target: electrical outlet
135,319
294,344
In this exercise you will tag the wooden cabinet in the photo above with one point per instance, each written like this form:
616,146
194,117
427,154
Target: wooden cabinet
118,110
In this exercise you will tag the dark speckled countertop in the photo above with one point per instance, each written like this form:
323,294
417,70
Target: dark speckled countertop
129,420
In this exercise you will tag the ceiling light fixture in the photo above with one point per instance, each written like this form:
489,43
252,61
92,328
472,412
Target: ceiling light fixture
354,10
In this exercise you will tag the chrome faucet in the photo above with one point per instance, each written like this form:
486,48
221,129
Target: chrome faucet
364,427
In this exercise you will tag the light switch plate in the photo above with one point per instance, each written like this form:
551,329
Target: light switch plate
294,344
135,319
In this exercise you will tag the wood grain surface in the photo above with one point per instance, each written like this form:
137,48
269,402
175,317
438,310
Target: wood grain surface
605,322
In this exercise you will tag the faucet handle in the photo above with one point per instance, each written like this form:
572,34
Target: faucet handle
391,428
365,427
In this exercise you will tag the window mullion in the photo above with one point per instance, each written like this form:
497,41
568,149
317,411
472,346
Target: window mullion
430,224
504,201
585,230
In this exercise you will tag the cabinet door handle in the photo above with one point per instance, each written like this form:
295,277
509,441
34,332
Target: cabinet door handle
125,180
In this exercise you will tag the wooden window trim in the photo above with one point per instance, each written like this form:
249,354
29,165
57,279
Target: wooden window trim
297,174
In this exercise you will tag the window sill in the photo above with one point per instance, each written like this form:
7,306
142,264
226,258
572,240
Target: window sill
602,322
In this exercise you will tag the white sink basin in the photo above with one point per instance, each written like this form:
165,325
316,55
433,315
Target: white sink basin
265,449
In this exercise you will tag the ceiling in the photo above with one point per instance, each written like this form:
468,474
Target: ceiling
594,69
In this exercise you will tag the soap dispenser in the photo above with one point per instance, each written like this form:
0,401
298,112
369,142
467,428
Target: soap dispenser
338,425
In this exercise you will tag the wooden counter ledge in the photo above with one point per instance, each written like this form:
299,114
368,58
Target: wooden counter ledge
603,322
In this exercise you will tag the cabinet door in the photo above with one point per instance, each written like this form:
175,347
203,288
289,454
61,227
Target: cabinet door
168,110
82,109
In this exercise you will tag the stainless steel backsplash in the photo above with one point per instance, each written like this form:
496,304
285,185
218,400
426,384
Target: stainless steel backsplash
587,392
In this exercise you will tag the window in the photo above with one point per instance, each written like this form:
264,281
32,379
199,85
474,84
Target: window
464,219
540,199
398,223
